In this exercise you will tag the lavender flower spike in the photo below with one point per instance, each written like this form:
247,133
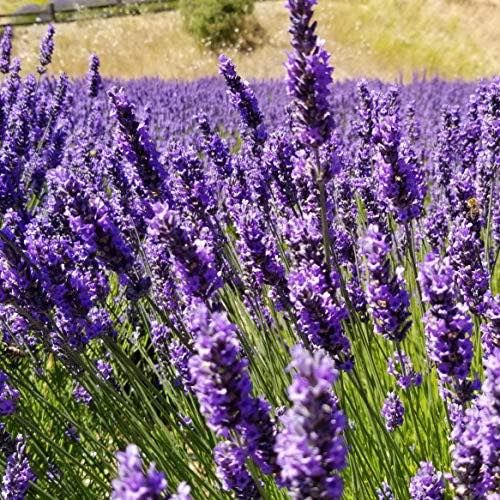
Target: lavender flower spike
94,81
388,300
384,492
395,168
221,380
243,97
132,482
427,484
309,77
401,368
223,387
6,49
46,49
311,450
476,439
135,143
232,471
490,429
393,412
18,474
448,327
8,396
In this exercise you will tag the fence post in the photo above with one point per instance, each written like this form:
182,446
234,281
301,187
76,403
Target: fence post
52,11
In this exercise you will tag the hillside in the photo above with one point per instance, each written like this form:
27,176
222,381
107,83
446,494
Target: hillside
374,38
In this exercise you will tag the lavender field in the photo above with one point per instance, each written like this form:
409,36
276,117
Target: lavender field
220,289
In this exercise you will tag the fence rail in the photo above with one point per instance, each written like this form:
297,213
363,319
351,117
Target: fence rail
99,8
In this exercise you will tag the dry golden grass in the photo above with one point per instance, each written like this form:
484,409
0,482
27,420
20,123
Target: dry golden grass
375,38
10,6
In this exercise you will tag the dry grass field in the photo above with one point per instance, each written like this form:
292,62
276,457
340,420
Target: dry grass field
375,38
9,6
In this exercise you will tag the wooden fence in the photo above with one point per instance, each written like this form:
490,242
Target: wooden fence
98,8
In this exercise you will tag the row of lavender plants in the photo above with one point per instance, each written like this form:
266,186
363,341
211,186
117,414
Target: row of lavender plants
223,290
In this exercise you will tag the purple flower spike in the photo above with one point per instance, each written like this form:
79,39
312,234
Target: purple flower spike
395,164
427,484
243,97
490,327
94,81
133,482
490,429
6,49
393,412
221,380
384,492
388,300
471,275
319,314
18,474
401,368
476,439
81,395
232,471
136,145
192,255
309,77
448,327
46,49
311,449
8,396
223,387
467,461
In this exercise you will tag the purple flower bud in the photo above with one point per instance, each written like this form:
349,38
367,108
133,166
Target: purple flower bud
393,412
243,97
8,396
6,49
94,81
81,395
427,484
401,368
105,369
384,492
232,471
72,434
46,49
133,481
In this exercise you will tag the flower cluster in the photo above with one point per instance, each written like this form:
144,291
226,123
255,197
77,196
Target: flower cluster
393,412
8,396
427,483
388,300
133,482
447,325
311,448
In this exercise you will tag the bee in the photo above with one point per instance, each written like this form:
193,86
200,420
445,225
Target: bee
14,352
474,207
